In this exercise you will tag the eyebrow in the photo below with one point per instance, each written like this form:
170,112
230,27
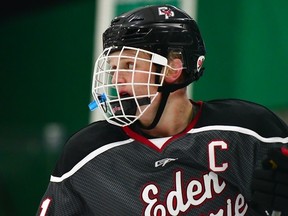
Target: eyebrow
124,58
129,56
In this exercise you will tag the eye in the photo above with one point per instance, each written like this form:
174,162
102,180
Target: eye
130,65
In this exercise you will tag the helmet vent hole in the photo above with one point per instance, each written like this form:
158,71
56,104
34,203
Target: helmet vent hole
115,21
136,19
136,33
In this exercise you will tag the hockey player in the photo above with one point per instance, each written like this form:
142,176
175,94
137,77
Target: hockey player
158,152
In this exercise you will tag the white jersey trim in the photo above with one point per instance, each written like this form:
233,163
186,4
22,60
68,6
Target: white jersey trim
159,142
102,149
88,158
242,130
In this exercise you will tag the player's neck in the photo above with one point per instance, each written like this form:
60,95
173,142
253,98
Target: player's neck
177,115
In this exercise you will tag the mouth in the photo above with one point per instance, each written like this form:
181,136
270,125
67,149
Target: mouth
124,106
124,95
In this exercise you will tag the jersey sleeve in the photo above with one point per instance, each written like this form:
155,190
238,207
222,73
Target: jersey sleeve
60,199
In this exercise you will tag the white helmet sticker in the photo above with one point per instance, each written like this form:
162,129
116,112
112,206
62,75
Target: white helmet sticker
167,12
200,62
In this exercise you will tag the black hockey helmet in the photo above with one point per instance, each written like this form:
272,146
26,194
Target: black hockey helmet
159,29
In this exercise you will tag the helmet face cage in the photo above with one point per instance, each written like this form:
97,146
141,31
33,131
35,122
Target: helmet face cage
123,102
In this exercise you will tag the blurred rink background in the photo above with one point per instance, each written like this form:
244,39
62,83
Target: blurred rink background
47,52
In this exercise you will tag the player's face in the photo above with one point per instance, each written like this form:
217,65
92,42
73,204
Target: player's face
126,82
133,72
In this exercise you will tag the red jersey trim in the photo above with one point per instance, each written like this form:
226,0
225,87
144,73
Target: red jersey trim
150,144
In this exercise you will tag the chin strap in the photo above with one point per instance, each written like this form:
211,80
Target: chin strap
165,90
160,110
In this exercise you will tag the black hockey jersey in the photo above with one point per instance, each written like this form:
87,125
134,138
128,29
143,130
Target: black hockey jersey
204,171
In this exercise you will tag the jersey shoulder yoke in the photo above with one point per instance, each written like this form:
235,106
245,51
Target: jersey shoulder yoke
85,141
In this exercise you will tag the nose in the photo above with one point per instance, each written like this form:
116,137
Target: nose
119,77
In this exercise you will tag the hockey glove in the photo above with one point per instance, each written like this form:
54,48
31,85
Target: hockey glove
270,185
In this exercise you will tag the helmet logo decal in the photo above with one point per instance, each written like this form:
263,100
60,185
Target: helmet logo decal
200,62
167,12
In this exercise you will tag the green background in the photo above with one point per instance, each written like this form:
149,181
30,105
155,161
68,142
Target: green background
46,60
45,63
247,51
